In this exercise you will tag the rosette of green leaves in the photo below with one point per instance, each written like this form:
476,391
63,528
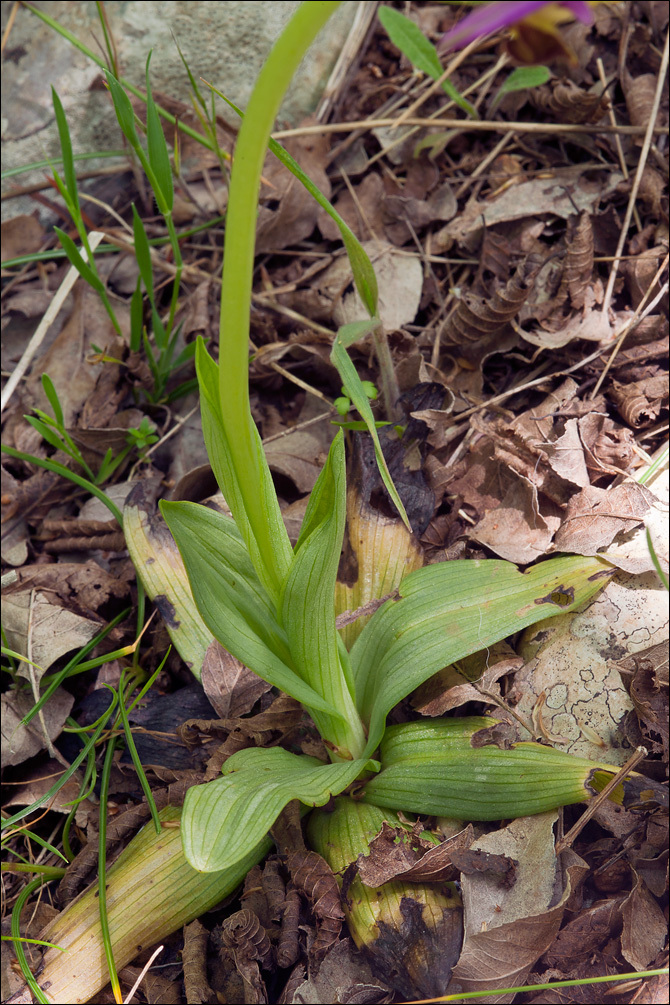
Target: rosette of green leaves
272,606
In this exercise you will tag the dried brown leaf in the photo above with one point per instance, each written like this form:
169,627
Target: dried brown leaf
22,235
232,689
557,195
20,742
645,932
398,854
595,516
506,931
288,213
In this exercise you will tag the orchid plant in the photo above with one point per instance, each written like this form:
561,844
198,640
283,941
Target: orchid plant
272,605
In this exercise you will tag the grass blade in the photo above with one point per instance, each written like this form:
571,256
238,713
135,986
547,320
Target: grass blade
159,157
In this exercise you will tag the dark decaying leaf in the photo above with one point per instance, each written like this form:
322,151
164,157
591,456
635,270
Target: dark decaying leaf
397,854
585,934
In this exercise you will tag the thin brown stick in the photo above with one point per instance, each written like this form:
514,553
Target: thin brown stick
644,153
437,84
470,125
574,831
638,313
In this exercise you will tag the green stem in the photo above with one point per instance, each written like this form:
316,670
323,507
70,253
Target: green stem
237,279
46,871
179,265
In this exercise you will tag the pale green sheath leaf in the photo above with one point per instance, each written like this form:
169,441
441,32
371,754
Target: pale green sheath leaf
160,567
449,610
223,819
431,768
231,601
228,478
353,388
308,612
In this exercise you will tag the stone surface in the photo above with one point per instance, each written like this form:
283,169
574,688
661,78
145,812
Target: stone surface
224,42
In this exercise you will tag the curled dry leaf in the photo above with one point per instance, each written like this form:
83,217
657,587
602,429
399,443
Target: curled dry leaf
288,945
578,266
640,402
565,101
477,319
313,876
639,93
247,940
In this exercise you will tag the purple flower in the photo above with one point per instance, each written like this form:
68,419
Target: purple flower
494,16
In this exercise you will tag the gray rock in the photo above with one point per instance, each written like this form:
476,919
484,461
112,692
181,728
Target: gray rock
224,42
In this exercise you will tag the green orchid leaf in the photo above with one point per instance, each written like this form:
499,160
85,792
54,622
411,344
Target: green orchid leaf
230,599
354,389
432,768
308,612
449,610
229,480
361,266
224,819
157,150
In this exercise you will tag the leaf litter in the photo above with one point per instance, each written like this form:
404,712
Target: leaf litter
493,269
